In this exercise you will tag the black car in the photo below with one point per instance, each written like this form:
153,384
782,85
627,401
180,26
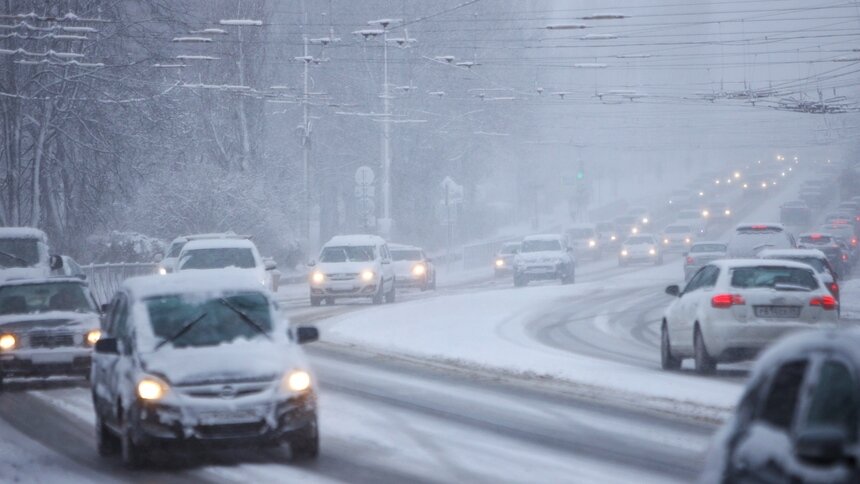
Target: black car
798,420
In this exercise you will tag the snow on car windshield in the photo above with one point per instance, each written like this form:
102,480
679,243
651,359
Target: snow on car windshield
401,255
220,258
816,240
40,298
347,254
540,245
188,320
748,244
769,276
18,252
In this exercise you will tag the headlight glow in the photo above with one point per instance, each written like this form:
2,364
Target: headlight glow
612,237
500,262
592,243
297,381
644,220
8,341
728,212
317,277
93,336
419,270
367,275
624,253
687,240
706,213
162,271
634,230
151,389
665,241
652,251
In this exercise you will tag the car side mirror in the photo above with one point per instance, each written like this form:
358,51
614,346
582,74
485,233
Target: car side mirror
312,263
158,258
307,334
270,264
821,445
55,262
673,290
107,346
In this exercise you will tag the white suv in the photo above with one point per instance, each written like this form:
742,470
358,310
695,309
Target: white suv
733,308
239,254
353,266
544,257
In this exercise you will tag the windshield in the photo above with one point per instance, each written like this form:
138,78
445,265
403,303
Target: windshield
40,298
541,245
677,229
509,249
769,276
347,253
639,240
605,227
216,323
580,233
401,255
175,249
220,258
815,262
708,248
19,252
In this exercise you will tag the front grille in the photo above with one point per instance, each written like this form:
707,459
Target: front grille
234,391
49,340
231,431
342,277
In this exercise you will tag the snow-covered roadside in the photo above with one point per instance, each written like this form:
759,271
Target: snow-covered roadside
849,298
486,332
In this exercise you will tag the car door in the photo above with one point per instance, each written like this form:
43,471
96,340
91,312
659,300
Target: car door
759,452
117,372
387,268
104,364
676,317
701,300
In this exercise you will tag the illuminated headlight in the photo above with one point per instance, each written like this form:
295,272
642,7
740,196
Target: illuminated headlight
706,213
367,275
151,388
746,186
612,237
162,271
783,173
624,253
701,194
8,342
644,220
687,240
592,243
764,184
419,270
737,174
728,212
296,381
93,336
665,241
634,230
652,251
500,262
317,277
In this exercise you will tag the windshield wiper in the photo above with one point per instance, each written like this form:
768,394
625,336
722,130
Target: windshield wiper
182,331
15,257
244,317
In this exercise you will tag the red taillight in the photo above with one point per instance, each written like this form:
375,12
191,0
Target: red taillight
834,288
827,303
759,227
857,219
723,301
815,236
854,241
690,261
845,257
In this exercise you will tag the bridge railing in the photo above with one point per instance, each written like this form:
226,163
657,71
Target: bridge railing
105,279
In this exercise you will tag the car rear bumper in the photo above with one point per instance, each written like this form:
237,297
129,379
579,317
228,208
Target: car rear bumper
48,362
726,339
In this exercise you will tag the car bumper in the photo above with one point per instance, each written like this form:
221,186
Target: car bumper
408,280
639,257
347,289
733,340
540,272
46,362
168,426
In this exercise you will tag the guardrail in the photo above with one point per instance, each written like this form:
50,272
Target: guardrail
105,279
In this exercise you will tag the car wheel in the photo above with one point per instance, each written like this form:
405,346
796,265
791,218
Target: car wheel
316,301
705,364
391,296
379,296
329,301
306,443
133,455
106,442
667,361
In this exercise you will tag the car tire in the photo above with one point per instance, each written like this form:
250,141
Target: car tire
329,301
379,296
316,301
391,296
306,444
667,360
107,444
705,364
134,456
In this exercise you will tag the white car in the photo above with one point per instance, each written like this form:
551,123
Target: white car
585,241
412,267
694,218
640,248
241,254
190,360
167,264
733,308
543,257
677,237
24,253
353,266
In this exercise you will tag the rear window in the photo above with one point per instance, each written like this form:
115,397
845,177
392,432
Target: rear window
748,244
708,248
18,252
401,255
816,239
815,262
770,276
538,245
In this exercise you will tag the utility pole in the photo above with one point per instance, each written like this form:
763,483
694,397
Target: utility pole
306,146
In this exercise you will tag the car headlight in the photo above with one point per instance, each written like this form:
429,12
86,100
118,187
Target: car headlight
162,271
93,336
634,230
612,237
296,381
419,270
317,277
592,243
665,241
367,275
706,213
687,240
728,212
652,251
500,262
151,388
624,253
645,220
8,342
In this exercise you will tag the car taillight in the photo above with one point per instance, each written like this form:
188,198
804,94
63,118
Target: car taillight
834,288
827,303
723,301
690,261
844,257
854,241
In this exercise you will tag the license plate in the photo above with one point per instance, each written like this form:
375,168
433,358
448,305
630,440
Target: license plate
227,416
342,286
777,311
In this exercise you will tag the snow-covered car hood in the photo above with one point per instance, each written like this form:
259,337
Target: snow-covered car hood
544,256
346,267
49,320
256,359
33,272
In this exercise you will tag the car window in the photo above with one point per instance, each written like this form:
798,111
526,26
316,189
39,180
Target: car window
696,281
18,252
771,276
402,255
46,297
781,400
835,400
709,276
347,254
219,258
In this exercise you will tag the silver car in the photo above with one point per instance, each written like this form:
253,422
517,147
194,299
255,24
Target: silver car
700,254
